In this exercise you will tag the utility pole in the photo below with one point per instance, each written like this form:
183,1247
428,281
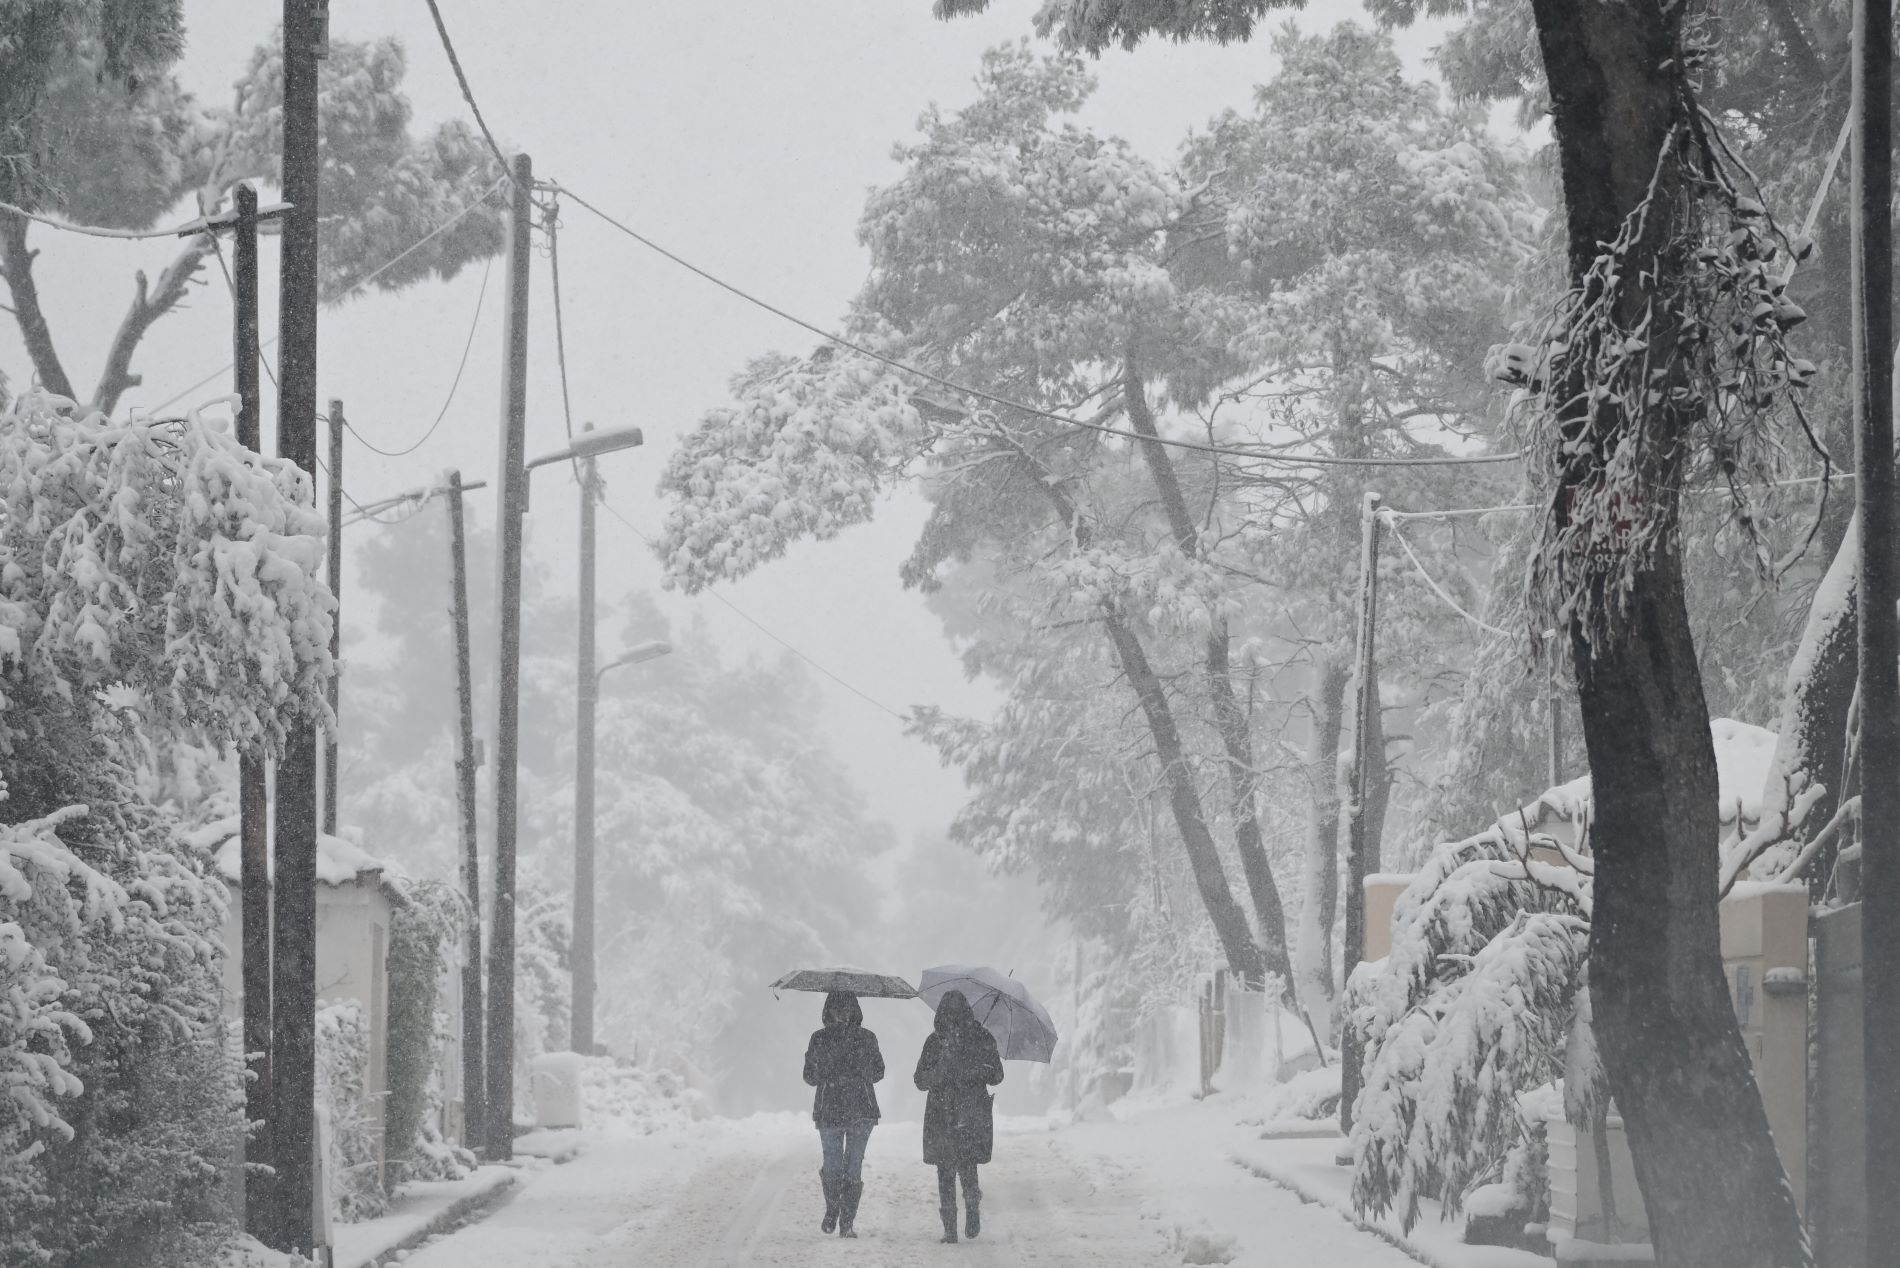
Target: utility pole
586,690
335,562
253,791
474,1094
511,507
1358,840
294,962
1879,587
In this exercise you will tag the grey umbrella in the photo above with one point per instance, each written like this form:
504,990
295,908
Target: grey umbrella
844,978
1022,1027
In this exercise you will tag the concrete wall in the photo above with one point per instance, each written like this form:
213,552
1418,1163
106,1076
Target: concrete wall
1577,1209
352,963
1765,953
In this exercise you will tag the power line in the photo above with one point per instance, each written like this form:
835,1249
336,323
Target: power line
1538,506
455,383
741,613
560,334
1226,451
468,93
200,225
353,287
1391,524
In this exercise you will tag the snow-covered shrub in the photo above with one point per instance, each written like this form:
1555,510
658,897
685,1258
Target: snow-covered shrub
1311,1095
164,561
1473,1006
543,987
422,938
158,588
626,1096
124,1104
354,1157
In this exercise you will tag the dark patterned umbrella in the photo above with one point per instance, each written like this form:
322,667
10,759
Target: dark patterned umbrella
856,981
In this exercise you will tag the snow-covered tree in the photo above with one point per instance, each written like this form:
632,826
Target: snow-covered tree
1022,255
159,594
110,139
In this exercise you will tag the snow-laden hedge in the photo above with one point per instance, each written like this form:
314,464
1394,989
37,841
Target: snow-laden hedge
159,590
353,1158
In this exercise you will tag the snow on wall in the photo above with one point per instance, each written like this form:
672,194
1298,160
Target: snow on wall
339,860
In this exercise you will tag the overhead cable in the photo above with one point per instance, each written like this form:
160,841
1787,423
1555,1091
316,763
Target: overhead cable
186,230
454,383
355,286
1227,451
468,94
1391,524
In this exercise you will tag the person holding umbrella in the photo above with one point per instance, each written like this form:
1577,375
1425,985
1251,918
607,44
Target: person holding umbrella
843,1061
959,1065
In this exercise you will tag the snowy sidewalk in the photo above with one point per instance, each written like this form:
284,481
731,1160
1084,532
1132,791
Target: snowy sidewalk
1227,1196
417,1211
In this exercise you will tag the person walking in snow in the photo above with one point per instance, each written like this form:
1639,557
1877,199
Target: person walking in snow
842,1061
957,1068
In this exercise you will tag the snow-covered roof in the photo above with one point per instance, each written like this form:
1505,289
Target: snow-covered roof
339,861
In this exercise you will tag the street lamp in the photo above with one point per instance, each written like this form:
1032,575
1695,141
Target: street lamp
644,652
583,449
587,696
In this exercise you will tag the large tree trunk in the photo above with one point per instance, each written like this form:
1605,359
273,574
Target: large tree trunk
1319,898
1230,719
1184,799
1711,1180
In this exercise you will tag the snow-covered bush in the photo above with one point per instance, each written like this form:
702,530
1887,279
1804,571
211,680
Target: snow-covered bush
158,588
124,1103
354,1157
166,562
1473,1006
626,1096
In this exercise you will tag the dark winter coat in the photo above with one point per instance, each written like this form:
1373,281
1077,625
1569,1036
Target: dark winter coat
842,1062
958,1069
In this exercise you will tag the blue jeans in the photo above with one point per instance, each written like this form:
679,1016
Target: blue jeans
844,1148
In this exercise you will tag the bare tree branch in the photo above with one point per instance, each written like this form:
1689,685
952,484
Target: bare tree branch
16,266
148,305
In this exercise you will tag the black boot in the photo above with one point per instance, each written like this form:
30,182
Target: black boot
947,1202
973,1203
831,1200
850,1192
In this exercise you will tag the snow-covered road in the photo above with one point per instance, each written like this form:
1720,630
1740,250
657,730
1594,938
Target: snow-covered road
746,1194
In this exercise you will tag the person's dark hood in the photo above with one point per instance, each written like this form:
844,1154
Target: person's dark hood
842,1009
954,1013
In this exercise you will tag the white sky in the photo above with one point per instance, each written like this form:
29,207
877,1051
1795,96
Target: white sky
742,134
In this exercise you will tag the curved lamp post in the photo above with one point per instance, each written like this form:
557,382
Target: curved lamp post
587,690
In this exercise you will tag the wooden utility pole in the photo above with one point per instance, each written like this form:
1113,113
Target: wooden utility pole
1359,841
511,505
1879,588
474,1093
335,562
586,689
253,791
294,962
